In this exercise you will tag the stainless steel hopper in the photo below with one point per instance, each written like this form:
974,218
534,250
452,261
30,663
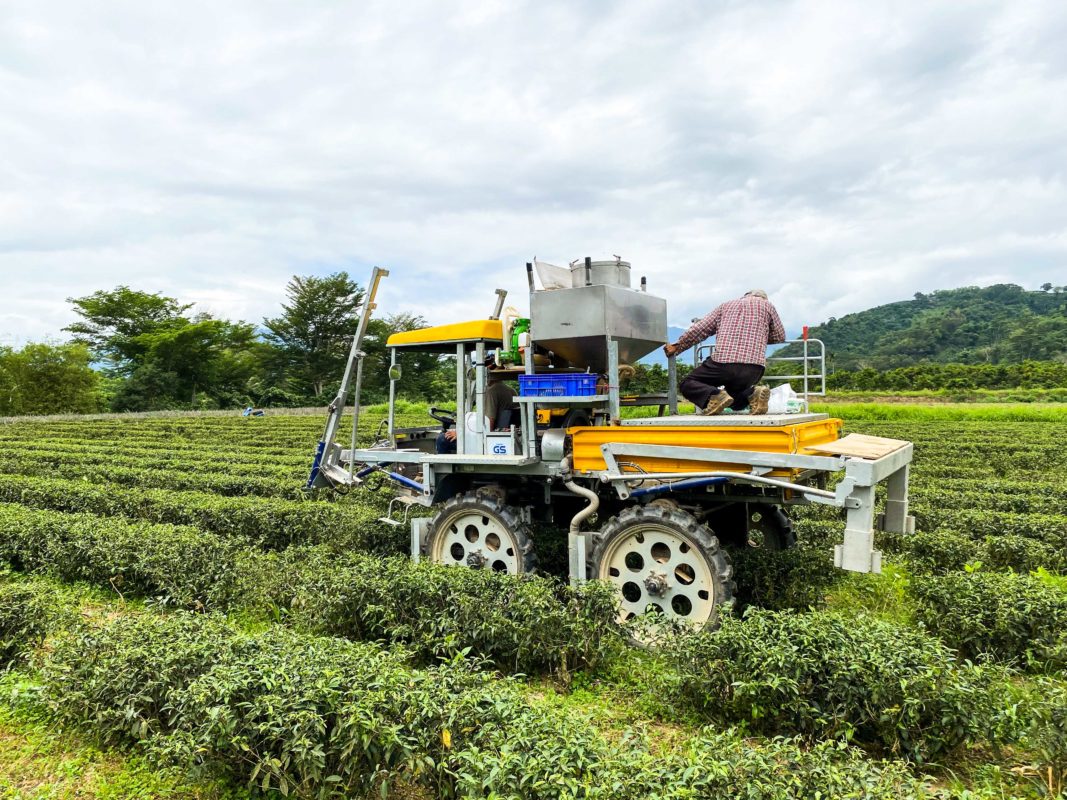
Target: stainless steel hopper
576,323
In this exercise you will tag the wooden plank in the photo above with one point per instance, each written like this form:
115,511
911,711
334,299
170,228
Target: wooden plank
860,445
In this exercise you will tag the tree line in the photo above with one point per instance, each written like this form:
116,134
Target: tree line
131,350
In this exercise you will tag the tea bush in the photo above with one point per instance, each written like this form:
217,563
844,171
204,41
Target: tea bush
268,522
826,675
120,678
177,565
1020,554
1047,736
538,754
526,624
1013,617
180,477
939,552
797,578
25,612
310,715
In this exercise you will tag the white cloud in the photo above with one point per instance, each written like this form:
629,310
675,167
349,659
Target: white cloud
839,155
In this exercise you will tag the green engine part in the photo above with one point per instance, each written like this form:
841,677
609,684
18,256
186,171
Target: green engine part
512,355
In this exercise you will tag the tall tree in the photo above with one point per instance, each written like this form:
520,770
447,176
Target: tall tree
113,322
169,359
46,378
315,329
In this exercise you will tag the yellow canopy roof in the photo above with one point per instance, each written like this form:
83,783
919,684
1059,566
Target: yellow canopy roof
477,330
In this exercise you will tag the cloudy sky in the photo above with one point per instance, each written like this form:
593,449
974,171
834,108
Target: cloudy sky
838,154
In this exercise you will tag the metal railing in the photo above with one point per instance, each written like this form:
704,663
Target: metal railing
812,364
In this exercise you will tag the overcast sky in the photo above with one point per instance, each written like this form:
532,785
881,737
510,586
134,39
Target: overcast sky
838,154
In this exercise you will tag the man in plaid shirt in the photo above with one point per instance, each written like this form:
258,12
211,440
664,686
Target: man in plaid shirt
742,328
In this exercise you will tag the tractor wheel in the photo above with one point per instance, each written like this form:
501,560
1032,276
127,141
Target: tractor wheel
662,558
766,527
478,530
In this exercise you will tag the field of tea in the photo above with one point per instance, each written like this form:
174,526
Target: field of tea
177,619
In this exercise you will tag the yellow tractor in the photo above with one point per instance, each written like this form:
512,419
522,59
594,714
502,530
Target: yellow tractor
651,504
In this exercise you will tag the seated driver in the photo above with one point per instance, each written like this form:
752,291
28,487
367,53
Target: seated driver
499,401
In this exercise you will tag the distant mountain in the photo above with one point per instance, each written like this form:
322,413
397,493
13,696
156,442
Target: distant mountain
1000,324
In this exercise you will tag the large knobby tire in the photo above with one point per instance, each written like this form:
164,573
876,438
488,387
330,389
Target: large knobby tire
479,530
663,557
767,527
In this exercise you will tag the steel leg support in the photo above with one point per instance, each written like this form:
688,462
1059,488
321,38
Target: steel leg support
577,550
896,518
857,553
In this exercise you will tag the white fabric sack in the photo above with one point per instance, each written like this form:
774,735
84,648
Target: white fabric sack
781,396
553,277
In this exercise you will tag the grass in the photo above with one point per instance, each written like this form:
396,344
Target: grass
946,412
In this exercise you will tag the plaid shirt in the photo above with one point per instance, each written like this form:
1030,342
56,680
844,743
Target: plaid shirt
743,328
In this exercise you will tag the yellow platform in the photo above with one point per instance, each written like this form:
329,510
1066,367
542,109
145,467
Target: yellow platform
440,337
786,437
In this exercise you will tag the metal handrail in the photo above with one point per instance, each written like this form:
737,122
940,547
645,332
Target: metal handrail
807,377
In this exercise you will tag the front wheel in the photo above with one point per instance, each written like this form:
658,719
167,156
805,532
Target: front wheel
661,559
479,530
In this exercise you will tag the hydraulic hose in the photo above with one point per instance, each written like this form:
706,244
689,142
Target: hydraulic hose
581,491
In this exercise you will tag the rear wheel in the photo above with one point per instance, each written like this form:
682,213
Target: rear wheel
662,559
758,525
478,530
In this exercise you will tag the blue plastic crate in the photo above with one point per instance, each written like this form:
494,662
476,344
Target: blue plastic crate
574,385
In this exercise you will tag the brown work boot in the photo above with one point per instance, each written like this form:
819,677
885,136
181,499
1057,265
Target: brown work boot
761,396
717,403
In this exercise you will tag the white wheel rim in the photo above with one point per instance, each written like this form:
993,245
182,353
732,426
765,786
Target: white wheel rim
651,558
477,540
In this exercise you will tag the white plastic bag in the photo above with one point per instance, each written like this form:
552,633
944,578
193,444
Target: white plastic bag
783,400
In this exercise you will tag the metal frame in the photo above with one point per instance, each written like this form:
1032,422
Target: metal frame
855,491
806,376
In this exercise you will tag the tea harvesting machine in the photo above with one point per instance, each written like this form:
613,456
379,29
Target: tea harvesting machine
653,504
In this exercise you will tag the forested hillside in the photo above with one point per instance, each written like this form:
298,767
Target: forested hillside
1002,324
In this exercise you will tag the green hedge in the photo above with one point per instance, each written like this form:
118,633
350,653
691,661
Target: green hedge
25,613
177,565
182,478
268,522
321,717
527,624
546,754
521,624
825,675
1011,616
797,578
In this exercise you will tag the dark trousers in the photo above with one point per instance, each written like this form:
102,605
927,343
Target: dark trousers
737,379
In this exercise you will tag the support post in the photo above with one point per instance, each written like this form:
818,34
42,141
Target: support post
501,296
479,395
461,397
392,397
577,548
896,504
857,553
672,384
614,404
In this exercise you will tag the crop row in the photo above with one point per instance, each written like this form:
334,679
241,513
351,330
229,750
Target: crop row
1022,500
314,716
51,448
978,522
102,470
520,625
267,522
